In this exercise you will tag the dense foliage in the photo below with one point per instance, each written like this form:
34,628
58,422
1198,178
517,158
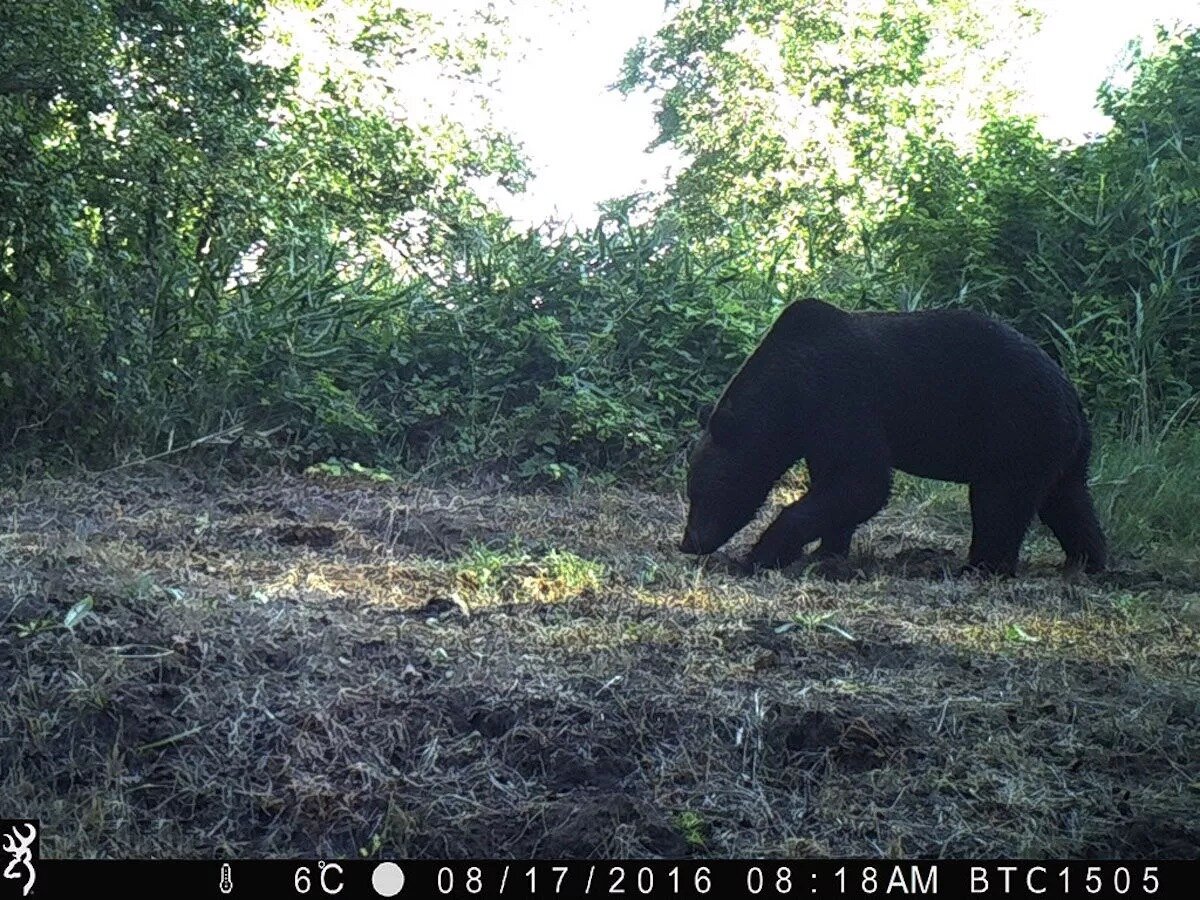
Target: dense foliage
207,237
1095,249
190,214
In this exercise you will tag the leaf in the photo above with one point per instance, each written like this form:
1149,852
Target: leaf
838,630
1016,633
77,613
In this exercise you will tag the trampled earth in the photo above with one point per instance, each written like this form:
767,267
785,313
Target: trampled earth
291,666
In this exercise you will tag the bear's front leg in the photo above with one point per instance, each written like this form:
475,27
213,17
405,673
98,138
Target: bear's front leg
834,506
785,538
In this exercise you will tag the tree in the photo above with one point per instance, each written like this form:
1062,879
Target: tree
798,118
161,158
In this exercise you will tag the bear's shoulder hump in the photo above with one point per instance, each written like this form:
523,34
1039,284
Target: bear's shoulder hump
807,317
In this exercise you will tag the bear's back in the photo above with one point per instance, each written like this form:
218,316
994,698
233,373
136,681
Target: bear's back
963,396
957,394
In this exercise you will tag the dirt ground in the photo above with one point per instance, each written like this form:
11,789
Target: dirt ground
297,665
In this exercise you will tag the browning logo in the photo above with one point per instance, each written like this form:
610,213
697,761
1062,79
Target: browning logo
19,843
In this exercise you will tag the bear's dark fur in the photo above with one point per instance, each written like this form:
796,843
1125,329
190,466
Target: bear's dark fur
946,394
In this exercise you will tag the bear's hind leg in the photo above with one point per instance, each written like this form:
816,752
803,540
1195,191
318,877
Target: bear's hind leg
1000,516
1068,512
835,544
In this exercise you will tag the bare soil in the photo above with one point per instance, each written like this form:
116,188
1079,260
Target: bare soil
293,666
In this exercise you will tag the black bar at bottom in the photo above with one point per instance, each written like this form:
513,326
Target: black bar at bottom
465,879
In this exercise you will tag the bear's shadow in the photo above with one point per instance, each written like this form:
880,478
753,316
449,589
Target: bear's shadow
925,563
937,564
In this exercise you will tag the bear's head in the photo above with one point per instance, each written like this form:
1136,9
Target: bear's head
728,480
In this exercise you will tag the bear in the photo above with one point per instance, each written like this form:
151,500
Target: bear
948,394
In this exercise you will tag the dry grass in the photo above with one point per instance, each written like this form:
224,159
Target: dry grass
293,666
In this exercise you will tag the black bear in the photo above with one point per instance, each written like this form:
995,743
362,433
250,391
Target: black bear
946,394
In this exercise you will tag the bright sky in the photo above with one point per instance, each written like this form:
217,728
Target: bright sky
587,143
1077,47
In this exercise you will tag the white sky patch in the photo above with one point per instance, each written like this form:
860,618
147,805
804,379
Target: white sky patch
586,143
1079,45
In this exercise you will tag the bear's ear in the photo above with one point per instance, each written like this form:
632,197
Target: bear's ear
704,412
723,426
